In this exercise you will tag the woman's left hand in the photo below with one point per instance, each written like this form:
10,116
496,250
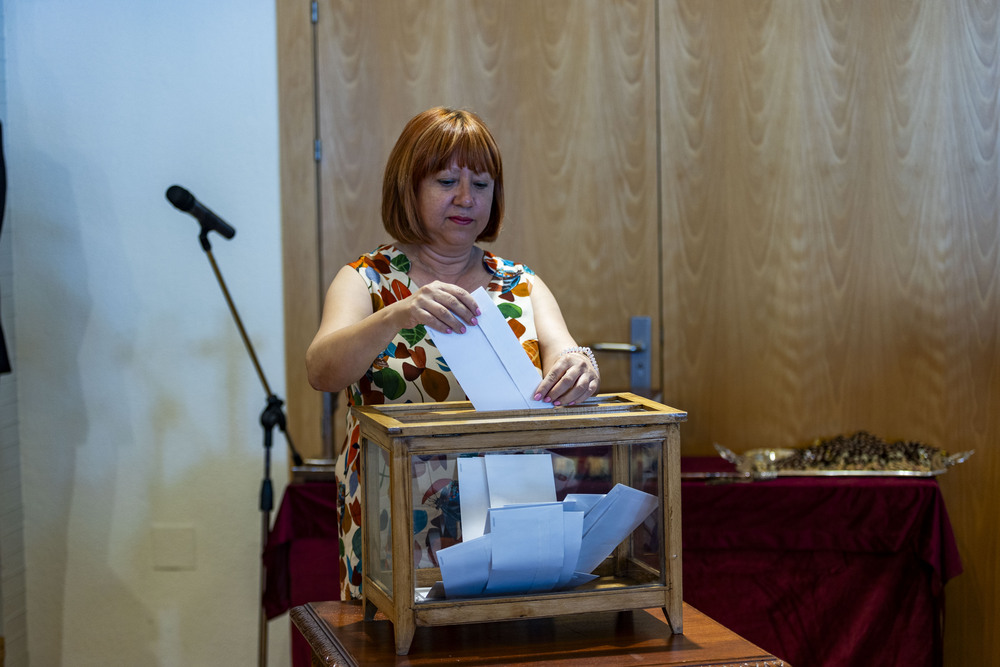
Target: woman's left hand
571,379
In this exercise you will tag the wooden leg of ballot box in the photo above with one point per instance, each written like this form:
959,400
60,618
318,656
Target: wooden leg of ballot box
404,625
404,630
671,478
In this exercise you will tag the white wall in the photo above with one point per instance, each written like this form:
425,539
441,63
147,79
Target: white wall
137,404
13,606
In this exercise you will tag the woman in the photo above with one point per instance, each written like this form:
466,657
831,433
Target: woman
442,193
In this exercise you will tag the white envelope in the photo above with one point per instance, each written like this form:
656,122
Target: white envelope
528,548
489,363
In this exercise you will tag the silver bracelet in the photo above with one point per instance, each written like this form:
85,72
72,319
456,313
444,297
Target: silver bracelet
587,352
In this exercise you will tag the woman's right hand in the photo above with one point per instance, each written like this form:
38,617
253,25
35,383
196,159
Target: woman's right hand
351,334
440,306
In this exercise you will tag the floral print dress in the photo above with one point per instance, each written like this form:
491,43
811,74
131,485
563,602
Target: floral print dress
412,370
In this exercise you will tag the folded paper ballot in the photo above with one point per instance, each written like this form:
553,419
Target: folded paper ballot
500,480
489,363
529,543
611,520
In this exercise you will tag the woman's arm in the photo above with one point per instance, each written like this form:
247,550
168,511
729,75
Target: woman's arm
351,335
567,378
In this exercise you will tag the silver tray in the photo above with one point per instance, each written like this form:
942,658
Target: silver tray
758,459
767,474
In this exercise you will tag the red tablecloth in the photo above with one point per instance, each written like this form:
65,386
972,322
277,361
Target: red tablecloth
817,570
302,555
821,570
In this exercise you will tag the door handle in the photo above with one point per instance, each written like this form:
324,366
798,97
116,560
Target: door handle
617,347
640,351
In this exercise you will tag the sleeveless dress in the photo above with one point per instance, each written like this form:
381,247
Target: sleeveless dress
412,370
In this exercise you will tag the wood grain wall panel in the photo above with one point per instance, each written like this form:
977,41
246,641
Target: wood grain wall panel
830,226
300,223
733,218
968,281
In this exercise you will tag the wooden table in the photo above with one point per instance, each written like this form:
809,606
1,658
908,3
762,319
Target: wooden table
338,635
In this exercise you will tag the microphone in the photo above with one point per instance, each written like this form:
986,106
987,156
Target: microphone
185,201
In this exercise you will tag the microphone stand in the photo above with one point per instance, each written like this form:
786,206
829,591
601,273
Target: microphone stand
271,417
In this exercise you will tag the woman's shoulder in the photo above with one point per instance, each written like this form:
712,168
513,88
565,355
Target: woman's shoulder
384,260
504,268
508,275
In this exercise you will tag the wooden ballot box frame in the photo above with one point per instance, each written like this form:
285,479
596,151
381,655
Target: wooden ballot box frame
392,434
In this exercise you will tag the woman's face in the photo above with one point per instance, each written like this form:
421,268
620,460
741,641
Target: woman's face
454,205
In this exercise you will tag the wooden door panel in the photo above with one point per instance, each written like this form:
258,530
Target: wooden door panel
569,90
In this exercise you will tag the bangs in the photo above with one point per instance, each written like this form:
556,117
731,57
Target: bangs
465,144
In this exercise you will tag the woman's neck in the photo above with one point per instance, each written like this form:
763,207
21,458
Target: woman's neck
446,265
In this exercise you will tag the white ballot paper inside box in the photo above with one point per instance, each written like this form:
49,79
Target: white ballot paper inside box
489,363
531,543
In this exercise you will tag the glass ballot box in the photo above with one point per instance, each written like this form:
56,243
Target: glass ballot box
485,516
